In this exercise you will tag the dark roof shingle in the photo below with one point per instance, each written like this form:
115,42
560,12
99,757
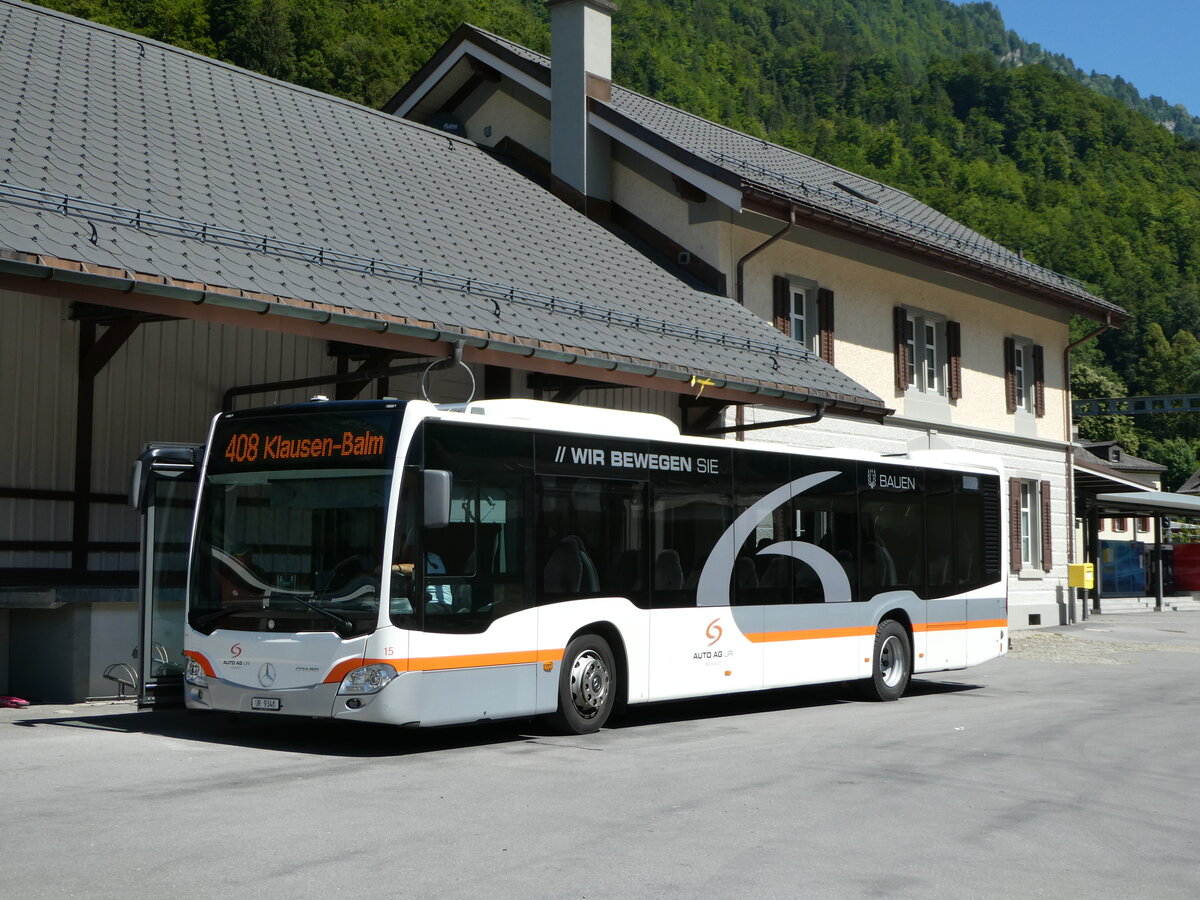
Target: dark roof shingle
122,152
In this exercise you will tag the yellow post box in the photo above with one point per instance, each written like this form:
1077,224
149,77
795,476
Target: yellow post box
1081,575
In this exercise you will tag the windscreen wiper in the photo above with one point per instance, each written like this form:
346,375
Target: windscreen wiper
343,624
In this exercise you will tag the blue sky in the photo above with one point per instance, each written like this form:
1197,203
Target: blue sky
1152,43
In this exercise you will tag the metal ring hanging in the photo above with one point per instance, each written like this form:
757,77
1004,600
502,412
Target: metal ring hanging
453,359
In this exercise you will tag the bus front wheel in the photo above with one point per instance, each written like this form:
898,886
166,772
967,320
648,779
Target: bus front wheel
891,663
587,686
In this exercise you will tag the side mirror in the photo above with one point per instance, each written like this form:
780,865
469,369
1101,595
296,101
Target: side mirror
437,498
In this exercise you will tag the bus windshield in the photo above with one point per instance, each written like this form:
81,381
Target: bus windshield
290,551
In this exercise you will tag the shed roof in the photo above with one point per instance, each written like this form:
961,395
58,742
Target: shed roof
184,174
768,172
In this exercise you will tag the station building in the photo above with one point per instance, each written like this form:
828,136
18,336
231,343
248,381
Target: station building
180,237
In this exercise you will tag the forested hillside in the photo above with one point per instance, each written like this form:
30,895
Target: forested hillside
937,99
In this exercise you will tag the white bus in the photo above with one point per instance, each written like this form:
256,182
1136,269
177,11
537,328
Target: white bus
390,561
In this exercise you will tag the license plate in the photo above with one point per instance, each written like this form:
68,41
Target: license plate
265,703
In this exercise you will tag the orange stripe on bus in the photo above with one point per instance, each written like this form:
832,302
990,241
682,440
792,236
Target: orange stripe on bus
441,663
809,634
962,626
202,660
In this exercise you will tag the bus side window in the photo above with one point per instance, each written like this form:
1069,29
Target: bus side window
591,539
688,522
892,533
761,578
941,536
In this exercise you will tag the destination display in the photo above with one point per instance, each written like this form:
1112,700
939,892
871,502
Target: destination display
334,439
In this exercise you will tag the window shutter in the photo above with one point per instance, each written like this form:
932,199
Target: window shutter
1014,525
1010,374
783,305
954,358
1039,382
900,320
825,321
1047,534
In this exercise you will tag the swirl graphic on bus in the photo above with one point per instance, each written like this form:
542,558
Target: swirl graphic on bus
713,587
714,631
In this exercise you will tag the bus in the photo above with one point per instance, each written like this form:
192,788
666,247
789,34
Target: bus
398,562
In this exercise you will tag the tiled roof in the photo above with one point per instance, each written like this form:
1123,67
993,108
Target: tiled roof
1113,455
795,177
121,152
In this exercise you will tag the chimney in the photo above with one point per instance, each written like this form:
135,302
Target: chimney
580,68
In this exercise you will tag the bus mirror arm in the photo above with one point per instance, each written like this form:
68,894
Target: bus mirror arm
437,498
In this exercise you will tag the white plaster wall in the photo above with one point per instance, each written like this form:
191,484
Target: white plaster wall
648,192
867,287
508,110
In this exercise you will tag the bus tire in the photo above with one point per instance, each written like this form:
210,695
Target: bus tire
587,685
891,663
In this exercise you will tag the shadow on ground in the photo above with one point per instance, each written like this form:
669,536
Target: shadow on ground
358,740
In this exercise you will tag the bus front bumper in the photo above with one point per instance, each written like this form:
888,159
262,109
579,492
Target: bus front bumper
397,703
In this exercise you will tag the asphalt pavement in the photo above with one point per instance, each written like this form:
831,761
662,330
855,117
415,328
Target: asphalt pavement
1069,768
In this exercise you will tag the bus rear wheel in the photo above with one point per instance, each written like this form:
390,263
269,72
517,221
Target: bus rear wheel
587,685
891,663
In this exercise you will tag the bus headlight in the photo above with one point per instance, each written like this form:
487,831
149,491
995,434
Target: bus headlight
368,679
193,674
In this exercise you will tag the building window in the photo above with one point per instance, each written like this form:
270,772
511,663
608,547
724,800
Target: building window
928,353
804,312
802,309
1143,524
1024,376
1120,523
1029,525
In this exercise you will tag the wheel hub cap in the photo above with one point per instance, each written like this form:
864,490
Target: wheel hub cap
589,683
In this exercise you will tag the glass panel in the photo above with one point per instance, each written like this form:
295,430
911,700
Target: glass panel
799,316
1026,523
910,341
290,551
481,552
1019,375
767,578
592,539
170,515
892,530
931,379
942,536
473,567
970,528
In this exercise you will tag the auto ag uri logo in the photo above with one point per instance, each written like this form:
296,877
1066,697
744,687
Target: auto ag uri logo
872,478
266,675
235,651
713,631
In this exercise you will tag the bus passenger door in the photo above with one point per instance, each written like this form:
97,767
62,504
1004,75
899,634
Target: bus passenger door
163,488
945,638
477,648
700,642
